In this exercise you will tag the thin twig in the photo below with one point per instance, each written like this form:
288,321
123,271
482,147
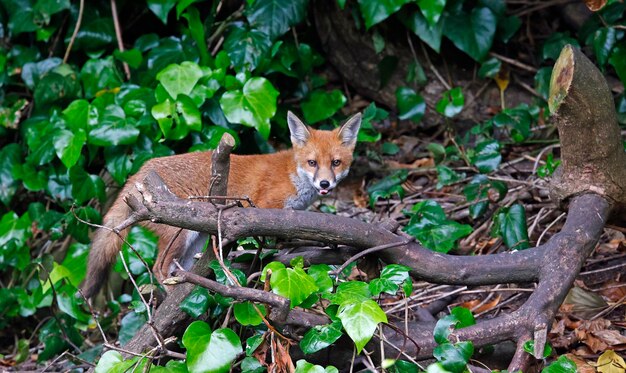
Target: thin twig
118,35
81,8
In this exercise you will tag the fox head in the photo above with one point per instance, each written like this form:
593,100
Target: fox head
323,158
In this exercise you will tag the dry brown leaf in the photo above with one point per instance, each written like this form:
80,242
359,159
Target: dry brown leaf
585,334
283,359
610,337
488,306
582,366
470,304
584,303
595,5
613,291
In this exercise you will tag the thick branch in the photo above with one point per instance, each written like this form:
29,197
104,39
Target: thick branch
592,155
280,305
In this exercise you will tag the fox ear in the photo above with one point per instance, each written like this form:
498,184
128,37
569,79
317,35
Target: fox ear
299,133
349,131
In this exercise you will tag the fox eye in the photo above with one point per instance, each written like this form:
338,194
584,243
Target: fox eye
336,162
312,163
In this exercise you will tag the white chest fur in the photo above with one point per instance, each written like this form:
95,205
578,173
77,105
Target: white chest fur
306,193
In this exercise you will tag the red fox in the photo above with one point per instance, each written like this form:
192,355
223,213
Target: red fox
292,178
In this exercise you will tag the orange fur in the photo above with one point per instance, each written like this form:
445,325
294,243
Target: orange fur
267,179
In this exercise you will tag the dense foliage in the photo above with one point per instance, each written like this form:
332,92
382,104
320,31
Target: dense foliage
81,111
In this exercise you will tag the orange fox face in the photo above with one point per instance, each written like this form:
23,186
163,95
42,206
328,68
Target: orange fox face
323,158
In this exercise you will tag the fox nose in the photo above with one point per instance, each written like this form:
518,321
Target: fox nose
324,184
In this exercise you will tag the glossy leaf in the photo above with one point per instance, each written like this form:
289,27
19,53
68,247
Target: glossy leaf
275,17
561,365
252,106
417,23
451,103
430,226
432,10
180,78
321,336
510,224
454,357
322,105
68,146
246,47
472,32
98,75
161,8
210,352
410,104
360,320
246,313
197,302
10,158
487,156
376,11
293,283
618,61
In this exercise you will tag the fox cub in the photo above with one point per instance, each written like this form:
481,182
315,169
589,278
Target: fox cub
292,178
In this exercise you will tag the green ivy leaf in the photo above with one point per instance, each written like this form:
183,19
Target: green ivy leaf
303,366
197,302
510,224
429,225
210,352
322,105
603,41
144,241
252,106
451,103
10,158
554,44
253,343
180,79
161,8
319,273
529,347
349,293
561,365
410,104
321,336
447,176
490,68
472,32
99,74
275,17
109,361
86,186
432,10
94,35
132,57
292,283
252,365
376,11
130,325
487,157
618,61
417,23
246,47
68,146
454,357
464,317
246,314
113,129
360,320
